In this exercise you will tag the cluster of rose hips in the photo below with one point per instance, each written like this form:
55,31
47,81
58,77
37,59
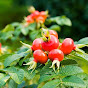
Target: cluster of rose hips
36,16
49,47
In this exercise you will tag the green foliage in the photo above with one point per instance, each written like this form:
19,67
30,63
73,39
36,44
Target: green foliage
17,76
81,58
4,80
17,31
70,70
73,71
73,81
60,20
67,75
52,84
83,41
12,58
75,11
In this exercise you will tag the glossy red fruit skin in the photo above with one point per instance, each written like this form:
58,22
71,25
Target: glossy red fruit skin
67,46
40,56
53,43
56,54
43,14
35,14
37,44
40,19
52,32
29,19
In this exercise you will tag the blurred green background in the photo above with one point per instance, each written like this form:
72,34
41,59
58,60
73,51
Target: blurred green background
76,10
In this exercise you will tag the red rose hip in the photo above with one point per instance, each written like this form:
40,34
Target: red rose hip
67,45
56,56
37,44
53,43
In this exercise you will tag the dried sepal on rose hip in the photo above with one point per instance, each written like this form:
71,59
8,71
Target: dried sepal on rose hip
52,32
39,57
37,43
50,42
56,56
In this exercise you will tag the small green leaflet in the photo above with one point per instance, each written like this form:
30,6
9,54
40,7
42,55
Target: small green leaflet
8,28
12,58
4,80
61,20
80,58
55,27
70,70
28,75
73,81
47,77
83,41
52,84
17,76
12,84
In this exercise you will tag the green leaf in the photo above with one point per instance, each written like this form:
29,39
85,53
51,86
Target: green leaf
52,84
4,80
15,24
47,77
21,85
55,27
1,75
12,84
12,58
6,35
80,58
34,34
17,31
8,28
84,77
15,73
24,31
70,70
68,62
9,70
22,60
17,76
32,86
83,41
73,81
29,75
46,69
3,57
61,20
32,26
